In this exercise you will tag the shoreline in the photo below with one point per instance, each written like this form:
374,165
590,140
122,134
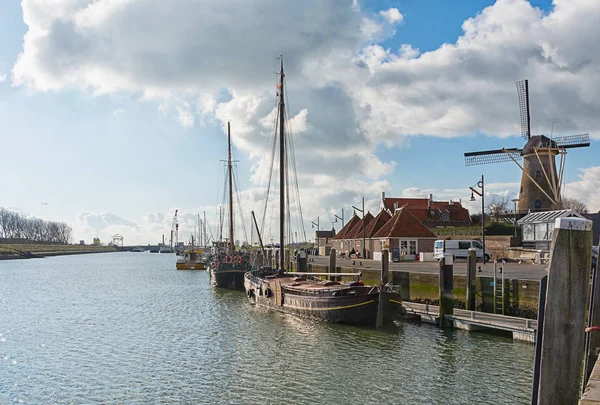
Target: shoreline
21,255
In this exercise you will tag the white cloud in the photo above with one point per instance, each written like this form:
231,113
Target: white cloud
392,16
2,77
118,111
348,94
587,189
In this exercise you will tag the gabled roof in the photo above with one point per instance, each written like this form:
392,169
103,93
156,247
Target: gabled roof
356,231
404,225
424,209
347,227
377,223
548,216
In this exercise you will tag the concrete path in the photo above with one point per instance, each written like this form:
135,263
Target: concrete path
523,271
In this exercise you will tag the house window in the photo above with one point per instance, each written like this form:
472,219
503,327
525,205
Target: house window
538,204
404,246
412,247
538,173
445,217
382,244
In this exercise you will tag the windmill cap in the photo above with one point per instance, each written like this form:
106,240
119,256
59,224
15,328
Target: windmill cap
538,141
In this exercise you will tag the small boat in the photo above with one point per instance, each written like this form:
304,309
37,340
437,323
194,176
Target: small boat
192,259
165,250
229,265
303,293
137,249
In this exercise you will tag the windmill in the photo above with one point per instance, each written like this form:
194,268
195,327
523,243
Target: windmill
541,178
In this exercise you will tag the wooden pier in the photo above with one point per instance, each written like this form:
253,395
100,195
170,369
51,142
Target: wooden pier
522,329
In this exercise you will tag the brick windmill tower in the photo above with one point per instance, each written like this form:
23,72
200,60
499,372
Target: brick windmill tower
541,177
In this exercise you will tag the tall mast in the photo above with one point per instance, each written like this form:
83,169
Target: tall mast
204,229
281,167
231,247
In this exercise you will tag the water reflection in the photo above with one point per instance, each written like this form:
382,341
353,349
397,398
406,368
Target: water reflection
127,328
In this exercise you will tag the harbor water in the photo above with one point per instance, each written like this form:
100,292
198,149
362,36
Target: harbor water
127,328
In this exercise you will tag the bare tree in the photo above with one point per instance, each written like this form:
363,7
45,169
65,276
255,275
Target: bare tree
497,207
571,204
15,226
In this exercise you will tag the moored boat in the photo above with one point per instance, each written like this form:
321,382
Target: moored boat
192,259
229,266
301,293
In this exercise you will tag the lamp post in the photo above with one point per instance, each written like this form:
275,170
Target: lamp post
364,247
317,234
481,185
340,218
516,200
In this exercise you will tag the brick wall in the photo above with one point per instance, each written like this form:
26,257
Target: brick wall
426,245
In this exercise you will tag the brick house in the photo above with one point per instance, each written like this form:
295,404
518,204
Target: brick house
323,241
339,242
405,236
431,213
355,235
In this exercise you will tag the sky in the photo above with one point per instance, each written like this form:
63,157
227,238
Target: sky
113,113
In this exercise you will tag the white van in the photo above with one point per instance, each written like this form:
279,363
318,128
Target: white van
459,248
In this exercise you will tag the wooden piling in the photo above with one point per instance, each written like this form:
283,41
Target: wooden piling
446,299
382,295
564,315
592,338
332,266
471,279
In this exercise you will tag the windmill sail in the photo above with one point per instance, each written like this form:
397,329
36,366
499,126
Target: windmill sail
492,156
523,93
573,141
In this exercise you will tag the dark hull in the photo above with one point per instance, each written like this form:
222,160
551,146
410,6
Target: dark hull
359,309
232,278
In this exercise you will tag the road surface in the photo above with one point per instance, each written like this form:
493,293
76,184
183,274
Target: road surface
513,270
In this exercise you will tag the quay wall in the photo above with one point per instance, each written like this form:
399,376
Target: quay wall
520,296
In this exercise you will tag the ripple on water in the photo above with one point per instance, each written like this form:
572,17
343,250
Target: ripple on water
124,328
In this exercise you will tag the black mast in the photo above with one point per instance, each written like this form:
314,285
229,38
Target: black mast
281,168
230,248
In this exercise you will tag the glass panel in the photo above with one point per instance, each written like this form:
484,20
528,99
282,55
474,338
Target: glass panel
413,247
477,245
464,245
438,245
541,231
528,232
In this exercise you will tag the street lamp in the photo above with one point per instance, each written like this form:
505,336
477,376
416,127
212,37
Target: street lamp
317,234
364,247
516,200
480,184
340,218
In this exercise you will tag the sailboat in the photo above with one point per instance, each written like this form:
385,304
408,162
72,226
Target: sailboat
229,266
300,293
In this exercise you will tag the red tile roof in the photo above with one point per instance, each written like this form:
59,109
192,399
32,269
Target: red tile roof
347,227
419,208
378,222
356,231
404,225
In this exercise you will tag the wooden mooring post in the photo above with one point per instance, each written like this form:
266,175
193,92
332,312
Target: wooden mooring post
381,306
332,267
564,316
446,284
471,279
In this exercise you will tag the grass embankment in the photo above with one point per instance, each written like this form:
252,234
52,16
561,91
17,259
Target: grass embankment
30,251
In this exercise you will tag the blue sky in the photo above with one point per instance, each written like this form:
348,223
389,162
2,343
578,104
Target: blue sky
115,132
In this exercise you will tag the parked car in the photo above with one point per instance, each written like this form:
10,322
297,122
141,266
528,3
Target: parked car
459,249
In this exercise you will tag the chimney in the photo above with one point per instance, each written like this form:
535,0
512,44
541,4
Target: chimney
395,206
429,201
